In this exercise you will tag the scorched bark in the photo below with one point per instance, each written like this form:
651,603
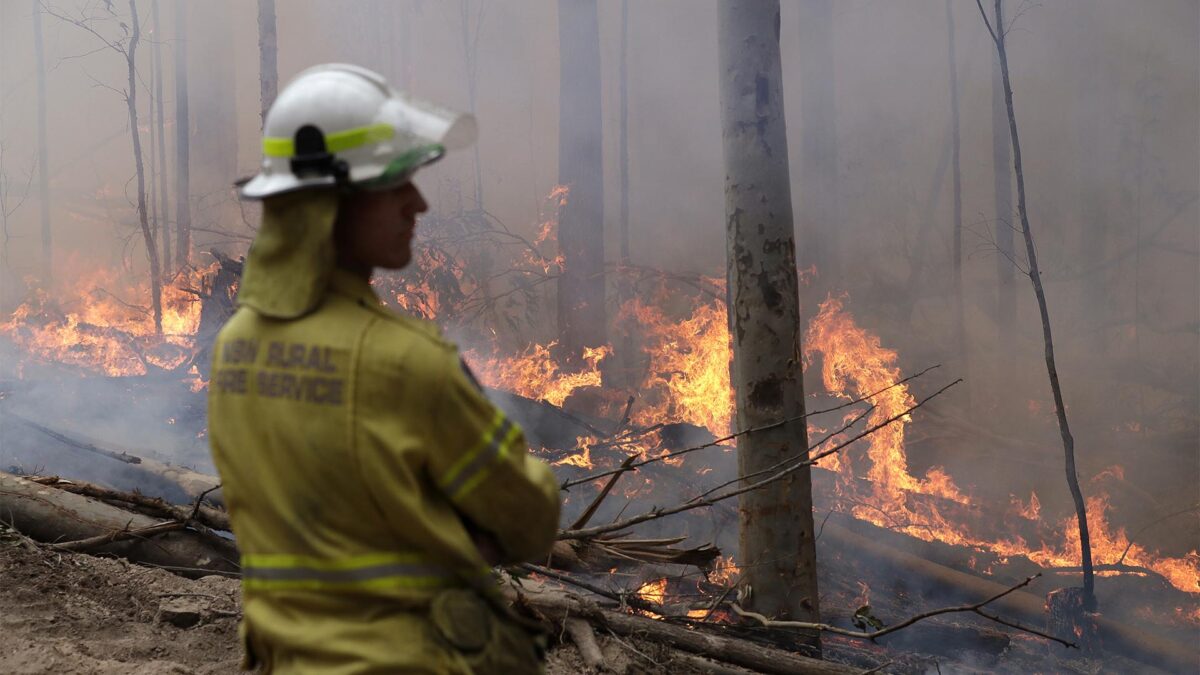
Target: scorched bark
776,534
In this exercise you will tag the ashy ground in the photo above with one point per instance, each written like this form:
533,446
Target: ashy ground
74,614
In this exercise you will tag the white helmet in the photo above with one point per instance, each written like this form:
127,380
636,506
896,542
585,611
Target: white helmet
338,124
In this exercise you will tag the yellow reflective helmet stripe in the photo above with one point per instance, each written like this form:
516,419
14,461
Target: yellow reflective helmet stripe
474,466
372,571
334,142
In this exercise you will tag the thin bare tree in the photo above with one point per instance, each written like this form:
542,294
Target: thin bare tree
42,165
581,312
126,46
183,201
956,177
268,57
164,230
998,33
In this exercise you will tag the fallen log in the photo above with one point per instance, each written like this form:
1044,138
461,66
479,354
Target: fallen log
55,516
158,507
556,607
1019,606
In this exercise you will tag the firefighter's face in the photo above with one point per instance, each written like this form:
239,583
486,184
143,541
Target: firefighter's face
375,229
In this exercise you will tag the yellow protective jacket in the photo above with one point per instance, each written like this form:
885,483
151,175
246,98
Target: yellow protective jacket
355,451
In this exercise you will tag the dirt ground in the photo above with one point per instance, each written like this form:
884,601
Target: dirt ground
74,614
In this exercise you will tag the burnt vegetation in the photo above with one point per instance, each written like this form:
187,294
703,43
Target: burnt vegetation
760,301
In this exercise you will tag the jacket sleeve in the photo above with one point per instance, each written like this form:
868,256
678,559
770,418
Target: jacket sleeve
482,465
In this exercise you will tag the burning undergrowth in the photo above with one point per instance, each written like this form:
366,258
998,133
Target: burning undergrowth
588,413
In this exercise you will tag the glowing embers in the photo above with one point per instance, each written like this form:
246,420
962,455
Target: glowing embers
99,325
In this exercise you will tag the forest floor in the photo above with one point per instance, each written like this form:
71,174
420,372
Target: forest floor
73,614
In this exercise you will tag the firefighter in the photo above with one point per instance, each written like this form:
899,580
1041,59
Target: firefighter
370,483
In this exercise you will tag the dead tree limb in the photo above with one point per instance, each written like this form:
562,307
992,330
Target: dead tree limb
587,479
976,608
1141,645
1068,441
90,543
585,639
556,606
53,516
654,514
156,506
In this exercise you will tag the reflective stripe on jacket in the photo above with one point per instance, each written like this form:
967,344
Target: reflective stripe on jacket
353,449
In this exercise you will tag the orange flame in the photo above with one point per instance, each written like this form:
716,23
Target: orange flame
93,328
653,591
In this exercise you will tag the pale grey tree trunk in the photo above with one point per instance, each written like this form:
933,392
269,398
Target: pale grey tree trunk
625,281
581,312
777,551
163,202
183,198
43,152
136,136
1068,440
470,44
1006,290
213,106
817,213
268,53
959,307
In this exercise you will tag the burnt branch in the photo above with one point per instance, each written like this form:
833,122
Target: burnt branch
975,608
641,432
654,514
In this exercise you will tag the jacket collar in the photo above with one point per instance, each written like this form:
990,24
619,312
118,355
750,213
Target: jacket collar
354,287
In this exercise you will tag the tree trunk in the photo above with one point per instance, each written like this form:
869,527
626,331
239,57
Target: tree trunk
776,535
581,312
1035,276
268,52
214,119
183,200
629,359
819,226
50,515
43,169
164,229
959,308
470,43
1003,228
136,136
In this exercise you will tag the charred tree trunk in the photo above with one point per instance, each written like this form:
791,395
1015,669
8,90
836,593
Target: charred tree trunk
959,308
998,38
164,229
776,533
818,211
268,52
136,136
581,318
183,200
42,168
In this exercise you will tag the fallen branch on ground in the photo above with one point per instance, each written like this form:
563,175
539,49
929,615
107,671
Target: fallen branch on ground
206,515
976,608
555,606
